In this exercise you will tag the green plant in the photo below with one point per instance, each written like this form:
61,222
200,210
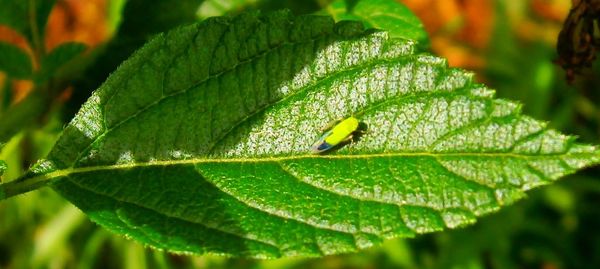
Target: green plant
200,141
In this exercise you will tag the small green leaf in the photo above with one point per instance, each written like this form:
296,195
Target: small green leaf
14,61
59,57
212,8
389,15
2,169
14,14
18,15
200,142
2,164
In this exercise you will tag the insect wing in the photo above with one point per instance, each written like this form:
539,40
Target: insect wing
321,145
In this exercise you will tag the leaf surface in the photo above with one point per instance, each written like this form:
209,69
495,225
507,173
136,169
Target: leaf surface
200,142
390,15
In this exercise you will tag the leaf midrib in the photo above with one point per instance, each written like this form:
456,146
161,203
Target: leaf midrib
67,172
265,159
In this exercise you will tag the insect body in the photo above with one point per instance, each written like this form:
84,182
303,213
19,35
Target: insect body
342,131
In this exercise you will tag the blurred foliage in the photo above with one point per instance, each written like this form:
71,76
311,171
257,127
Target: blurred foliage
510,46
381,14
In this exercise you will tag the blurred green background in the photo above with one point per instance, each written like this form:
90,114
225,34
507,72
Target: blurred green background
510,45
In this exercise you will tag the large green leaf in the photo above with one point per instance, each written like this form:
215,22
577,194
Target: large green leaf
200,142
390,15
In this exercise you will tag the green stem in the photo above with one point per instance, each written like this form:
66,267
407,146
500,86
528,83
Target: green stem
21,186
38,46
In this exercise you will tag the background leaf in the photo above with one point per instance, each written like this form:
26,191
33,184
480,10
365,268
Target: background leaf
14,14
390,15
212,8
58,57
2,169
17,14
200,142
14,61
2,164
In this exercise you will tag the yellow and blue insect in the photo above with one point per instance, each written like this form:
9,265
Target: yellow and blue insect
341,132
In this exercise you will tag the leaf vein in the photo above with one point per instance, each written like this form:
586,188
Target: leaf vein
71,180
275,214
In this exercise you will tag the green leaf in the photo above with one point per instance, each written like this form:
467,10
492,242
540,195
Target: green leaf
59,57
2,169
14,14
389,15
14,61
211,8
200,142
27,17
2,164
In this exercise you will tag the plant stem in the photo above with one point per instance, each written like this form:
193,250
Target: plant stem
21,186
38,46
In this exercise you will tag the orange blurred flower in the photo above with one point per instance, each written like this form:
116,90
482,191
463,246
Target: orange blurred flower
459,29
76,20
